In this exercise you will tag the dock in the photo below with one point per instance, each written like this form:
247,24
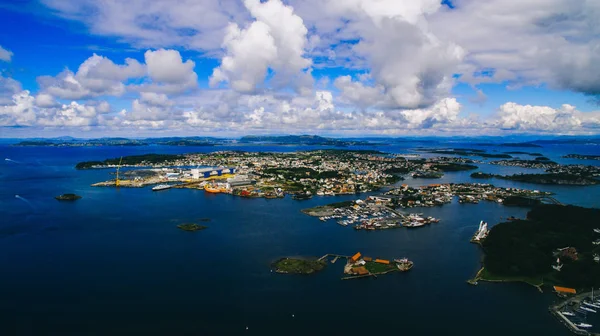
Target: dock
556,311
335,256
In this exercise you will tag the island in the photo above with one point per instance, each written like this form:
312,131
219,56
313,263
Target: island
168,141
301,174
481,175
468,152
453,167
582,157
67,197
191,227
313,140
552,178
557,245
132,160
298,266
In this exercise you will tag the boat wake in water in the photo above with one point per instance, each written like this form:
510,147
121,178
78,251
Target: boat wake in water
26,201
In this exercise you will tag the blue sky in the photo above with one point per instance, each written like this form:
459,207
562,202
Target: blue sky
252,67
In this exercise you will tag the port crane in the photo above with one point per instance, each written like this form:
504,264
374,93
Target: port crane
117,181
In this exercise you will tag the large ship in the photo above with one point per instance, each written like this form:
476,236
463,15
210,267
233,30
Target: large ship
403,264
161,187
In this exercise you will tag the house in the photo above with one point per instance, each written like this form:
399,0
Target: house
565,290
355,257
382,261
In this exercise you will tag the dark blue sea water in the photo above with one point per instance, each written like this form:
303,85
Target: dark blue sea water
113,262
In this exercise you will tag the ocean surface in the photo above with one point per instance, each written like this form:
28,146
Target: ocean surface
114,263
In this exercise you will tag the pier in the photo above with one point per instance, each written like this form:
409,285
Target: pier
556,310
336,256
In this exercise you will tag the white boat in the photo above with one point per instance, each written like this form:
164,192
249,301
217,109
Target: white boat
591,304
566,313
161,187
587,309
583,325
597,230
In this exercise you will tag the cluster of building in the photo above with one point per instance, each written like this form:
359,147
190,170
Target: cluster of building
439,194
359,265
371,214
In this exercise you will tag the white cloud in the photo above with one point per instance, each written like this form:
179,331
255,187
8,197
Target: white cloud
168,73
527,42
8,87
20,112
45,100
25,111
190,24
97,76
528,118
5,55
276,40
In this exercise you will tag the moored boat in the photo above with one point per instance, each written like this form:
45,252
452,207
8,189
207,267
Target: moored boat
161,187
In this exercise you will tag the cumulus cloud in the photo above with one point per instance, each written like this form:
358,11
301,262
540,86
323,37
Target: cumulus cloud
5,55
512,116
20,112
96,76
155,23
527,42
168,73
25,111
275,40
8,87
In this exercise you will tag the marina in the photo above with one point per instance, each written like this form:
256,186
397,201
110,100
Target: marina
573,312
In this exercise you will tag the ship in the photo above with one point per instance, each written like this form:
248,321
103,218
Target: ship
566,313
597,230
211,189
403,264
583,325
161,187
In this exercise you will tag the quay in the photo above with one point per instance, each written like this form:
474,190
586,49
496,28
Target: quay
556,310
336,256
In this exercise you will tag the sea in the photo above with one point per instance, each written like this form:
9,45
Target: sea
114,262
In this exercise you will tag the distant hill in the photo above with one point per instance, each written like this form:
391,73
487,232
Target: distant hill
301,140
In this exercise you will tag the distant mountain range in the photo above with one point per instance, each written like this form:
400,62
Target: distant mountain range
302,140
314,140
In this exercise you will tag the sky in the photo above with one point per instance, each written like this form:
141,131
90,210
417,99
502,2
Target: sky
329,67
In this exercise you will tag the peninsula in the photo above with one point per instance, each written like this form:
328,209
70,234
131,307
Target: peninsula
556,245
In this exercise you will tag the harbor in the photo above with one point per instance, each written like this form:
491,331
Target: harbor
573,311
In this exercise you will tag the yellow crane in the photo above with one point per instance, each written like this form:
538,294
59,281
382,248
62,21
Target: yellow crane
117,182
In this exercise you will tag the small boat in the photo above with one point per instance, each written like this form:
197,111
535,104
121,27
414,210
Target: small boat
589,304
161,187
597,230
583,325
587,309
567,313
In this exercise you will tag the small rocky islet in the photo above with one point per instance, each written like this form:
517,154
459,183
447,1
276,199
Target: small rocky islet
191,227
67,197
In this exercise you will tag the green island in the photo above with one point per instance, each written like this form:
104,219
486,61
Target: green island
467,152
582,157
481,175
191,227
525,153
552,178
453,167
298,266
327,210
67,197
133,160
555,245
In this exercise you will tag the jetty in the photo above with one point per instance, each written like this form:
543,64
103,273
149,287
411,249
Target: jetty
576,300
